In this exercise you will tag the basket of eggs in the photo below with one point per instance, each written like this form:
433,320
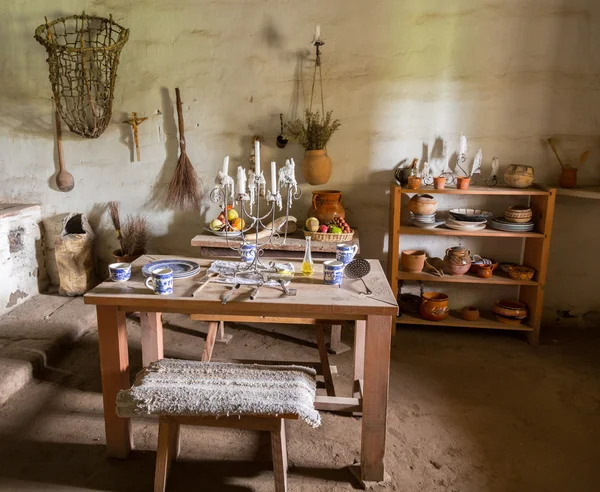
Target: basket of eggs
335,231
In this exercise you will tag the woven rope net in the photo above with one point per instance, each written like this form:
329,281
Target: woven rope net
83,56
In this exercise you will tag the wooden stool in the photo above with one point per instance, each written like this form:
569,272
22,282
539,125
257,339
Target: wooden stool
241,396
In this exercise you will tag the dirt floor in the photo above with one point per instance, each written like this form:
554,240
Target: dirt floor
469,411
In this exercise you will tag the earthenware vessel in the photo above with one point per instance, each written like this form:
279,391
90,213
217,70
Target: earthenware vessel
521,272
121,258
510,309
316,167
414,183
568,178
413,260
462,183
345,252
422,205
435,266
518,214
434,306
326,205
518,176
248,252
161,281
439,183
485,271
120,272
333,272
469,313
457,260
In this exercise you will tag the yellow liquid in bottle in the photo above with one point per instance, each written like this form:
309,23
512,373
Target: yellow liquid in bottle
308,268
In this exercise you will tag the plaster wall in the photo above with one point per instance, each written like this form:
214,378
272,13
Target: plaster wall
396,73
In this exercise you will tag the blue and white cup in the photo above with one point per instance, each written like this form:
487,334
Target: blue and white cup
333,271
161,281
119,272
345,252
248,252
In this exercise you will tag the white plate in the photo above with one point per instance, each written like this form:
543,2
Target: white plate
478,227
465,225
428,225
230,234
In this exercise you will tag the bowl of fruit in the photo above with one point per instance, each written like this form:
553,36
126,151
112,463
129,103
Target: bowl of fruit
228,224
335,231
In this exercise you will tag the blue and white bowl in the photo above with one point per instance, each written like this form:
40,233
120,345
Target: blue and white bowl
120,272
161,281
333,272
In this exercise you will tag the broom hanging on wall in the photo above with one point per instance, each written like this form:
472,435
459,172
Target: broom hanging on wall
183,193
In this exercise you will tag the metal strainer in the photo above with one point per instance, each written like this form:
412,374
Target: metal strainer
357,269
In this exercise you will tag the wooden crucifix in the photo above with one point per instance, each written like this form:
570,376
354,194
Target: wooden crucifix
135,122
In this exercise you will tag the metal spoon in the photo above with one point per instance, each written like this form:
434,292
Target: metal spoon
357,269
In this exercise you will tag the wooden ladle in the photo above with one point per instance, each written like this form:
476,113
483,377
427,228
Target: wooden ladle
64,179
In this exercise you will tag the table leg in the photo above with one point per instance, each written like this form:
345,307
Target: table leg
360,329
335,345
152,337
114,369
375,397
221,336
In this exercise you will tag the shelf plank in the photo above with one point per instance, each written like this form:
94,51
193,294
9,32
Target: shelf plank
591,192
487,321
480,190
444,231
498,278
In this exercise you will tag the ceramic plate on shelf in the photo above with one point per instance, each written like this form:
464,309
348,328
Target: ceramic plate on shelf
181,268
470,214
465,225
504,225
476,227
427,225
230,234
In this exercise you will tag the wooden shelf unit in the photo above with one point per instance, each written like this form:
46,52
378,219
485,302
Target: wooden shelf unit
590,192
535,254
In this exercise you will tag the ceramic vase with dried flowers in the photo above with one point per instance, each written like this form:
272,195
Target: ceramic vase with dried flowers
313,134
132,234
568,175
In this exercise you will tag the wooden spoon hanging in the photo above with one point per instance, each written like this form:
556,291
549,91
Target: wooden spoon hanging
64,179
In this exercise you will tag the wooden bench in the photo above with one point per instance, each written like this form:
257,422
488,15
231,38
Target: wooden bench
239,396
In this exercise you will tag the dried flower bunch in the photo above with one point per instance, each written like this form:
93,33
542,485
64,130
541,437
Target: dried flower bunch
132,233
314,132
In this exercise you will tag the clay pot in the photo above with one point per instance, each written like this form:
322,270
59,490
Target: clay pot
510,309
568,178
517,176
518,214
414,183
434,306
326,205
120,258
485,271
457,260
413,260
469,313
439,183
422,205
463,183
316,167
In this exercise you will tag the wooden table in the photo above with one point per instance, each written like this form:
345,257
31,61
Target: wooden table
212,246
373,316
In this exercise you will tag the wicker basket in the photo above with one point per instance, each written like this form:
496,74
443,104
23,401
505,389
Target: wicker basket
328,237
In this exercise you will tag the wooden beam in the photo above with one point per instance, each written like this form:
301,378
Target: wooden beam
152,337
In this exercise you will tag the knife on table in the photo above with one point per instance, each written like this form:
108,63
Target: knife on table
229,292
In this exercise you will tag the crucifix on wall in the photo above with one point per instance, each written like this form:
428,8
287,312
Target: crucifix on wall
135,122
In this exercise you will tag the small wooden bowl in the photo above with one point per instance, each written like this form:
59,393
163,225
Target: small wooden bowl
518,214
521,272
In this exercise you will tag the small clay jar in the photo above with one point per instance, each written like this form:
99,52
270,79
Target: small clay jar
485,271
434,306
413,260
469,313
568,178
463,183
439,183
414,183
457,260
422,205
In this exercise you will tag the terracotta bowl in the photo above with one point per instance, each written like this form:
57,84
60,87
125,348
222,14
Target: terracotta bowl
413,260
508,321
414,183
510,309
422,205
434,306
518,214
521,272
469,313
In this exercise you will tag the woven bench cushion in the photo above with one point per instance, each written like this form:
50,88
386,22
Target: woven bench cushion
182,387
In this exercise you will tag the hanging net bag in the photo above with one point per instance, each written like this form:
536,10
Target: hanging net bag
83,55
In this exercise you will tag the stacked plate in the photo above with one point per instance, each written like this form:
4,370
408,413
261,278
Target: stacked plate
470,215
425,221
181,268
460,225
502,224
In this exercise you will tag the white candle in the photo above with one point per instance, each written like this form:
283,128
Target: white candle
257,157
273,177
241,180
226,165
318,33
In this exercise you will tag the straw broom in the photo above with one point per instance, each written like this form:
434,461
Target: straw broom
113,210
183,192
